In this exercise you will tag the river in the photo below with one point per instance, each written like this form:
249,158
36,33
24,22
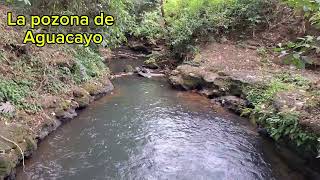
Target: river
147,130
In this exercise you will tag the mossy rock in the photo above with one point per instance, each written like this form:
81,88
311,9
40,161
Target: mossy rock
5,166
192,81
82,97
93,87
83,101
65,104
151,63
66,109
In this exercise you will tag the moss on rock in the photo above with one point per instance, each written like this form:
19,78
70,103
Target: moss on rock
93,87
82,97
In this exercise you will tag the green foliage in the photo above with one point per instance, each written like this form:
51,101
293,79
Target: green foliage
89,65
150,26
310,8
213,15
296,53
294,81
16,93
185,21
125,21
285,124
260,96
55,81
13,92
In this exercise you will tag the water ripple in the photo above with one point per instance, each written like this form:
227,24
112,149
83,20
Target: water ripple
154,135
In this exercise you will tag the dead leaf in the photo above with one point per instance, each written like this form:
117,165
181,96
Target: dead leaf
7,108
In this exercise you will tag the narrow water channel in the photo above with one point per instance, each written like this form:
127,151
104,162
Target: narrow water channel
146,130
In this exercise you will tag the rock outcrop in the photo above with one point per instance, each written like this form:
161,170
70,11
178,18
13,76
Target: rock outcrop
232,90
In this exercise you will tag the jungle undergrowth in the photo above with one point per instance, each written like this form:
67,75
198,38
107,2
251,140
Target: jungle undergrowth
284,124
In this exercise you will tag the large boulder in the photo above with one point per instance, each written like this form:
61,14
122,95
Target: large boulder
187,77
213,83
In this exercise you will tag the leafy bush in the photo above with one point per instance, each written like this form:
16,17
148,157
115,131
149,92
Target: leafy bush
260,96
310,8
284,124
16,93
282,82
13,92
88,65
185,21
296,53
150,26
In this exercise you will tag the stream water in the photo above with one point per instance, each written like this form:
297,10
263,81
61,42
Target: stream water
147,130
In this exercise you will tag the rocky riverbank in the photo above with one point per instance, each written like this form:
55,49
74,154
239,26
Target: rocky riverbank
19,141
281,101
40,89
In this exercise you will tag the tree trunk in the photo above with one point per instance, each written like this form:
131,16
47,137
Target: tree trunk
162,11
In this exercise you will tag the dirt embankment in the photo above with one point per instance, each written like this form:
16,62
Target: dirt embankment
282,101
40,88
